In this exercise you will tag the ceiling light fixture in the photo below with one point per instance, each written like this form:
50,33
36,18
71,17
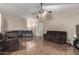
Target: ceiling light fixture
43,13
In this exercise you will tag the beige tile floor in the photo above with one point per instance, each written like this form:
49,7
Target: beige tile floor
37,46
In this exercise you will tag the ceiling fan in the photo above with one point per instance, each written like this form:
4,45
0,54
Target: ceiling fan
42,12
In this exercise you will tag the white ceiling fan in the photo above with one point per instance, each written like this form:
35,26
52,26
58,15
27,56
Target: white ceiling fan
42,12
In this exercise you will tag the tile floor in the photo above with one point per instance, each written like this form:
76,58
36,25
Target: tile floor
37,46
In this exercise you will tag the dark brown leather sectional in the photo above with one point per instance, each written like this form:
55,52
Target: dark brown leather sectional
8,44
56,36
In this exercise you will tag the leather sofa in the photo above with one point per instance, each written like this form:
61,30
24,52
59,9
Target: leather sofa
11,44
19,33
1,42
56,36
8,44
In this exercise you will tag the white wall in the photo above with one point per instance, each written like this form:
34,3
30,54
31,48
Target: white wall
14,23
0,22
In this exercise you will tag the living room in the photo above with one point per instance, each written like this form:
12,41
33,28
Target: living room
33,33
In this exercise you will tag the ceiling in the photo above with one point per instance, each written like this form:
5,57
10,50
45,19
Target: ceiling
23,9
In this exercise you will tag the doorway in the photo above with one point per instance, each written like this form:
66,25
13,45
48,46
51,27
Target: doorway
39,29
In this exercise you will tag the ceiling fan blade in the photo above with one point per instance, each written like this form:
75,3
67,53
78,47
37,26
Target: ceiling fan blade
33,13
50,11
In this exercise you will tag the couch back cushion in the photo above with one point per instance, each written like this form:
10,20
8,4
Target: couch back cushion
59,33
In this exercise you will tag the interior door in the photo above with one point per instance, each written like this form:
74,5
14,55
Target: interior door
39,29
